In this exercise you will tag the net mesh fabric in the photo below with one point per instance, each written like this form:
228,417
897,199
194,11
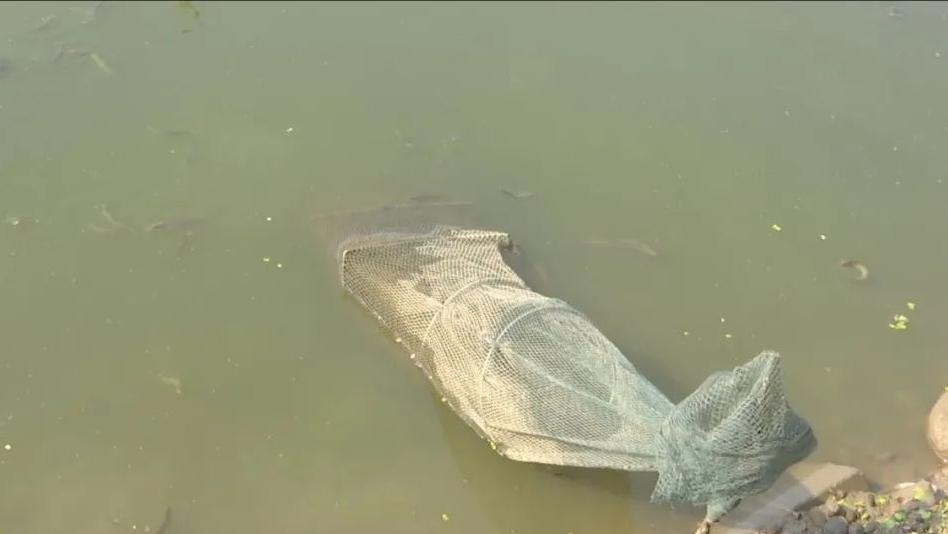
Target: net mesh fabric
732,437
535,377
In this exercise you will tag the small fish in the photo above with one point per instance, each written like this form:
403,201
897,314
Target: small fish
426,198
82,52
58,53
91,14
165,521
630,244
99,229
99,62
853,264
186,224
44,23
516,194
169,133
4,67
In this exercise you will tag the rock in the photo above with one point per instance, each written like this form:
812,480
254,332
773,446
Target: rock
903,492
817,517
794,526
870,527
856,528
836,525
938,427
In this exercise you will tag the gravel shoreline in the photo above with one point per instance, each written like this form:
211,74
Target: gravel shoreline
911,508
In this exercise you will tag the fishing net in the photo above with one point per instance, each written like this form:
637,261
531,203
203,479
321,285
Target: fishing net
536,378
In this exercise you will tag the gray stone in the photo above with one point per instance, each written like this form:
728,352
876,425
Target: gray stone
794,526
856,528
938,427
817,517
836,525
870,526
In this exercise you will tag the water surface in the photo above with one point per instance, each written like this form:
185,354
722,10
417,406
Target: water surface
691,127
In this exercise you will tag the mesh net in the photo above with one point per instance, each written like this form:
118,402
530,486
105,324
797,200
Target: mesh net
536,378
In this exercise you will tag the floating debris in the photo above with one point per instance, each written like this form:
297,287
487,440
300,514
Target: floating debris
853,264
899,322
775,227
628,244
910,305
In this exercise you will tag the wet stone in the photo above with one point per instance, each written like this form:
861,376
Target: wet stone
856,528
870,527
836,525
817,517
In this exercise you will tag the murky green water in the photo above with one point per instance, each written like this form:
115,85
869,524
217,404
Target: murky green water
693,127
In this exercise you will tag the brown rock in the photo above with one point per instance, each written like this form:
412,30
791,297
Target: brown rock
938,427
